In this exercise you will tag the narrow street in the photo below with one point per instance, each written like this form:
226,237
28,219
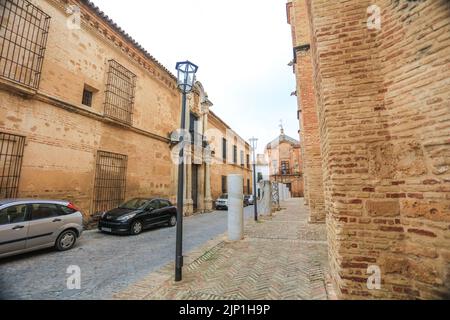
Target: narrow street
282,257
108,263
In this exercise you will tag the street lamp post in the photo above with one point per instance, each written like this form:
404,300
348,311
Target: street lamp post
186,80
254,143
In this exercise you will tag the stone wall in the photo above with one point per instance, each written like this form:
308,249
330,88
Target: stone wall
383,107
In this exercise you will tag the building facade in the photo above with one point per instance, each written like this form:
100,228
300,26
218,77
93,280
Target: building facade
285,163
381,74
87,115
230,155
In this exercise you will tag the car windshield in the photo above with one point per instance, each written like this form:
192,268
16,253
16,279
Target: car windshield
224,196
135,204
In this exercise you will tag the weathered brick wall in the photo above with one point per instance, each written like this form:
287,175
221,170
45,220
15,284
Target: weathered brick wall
383,104
309,127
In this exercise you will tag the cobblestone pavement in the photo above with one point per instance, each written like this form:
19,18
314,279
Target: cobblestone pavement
108,263
282,257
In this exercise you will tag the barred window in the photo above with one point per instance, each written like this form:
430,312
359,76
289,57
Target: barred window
110,181
120,89
11,155
285,168
23,38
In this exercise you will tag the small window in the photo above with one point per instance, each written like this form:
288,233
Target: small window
44,211
14,214
88,95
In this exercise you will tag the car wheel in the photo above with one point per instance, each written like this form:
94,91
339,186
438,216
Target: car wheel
173,221
136,228
66,240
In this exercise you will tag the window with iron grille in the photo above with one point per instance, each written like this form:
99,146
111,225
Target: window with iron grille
11,155
235,157
23,38
224,150
248,161
285,168
110,181
120,87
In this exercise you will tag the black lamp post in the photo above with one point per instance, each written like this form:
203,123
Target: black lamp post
186,80
254,143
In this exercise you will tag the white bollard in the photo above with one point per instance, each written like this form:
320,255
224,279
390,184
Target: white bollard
280,192
265,203
235,207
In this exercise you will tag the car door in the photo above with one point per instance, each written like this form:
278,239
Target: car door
151,215
13,228
46,220
164,210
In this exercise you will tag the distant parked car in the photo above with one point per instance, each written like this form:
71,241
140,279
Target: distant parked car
222,202
138,214
28,225
250,199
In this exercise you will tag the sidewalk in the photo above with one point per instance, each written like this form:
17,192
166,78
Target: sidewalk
281,258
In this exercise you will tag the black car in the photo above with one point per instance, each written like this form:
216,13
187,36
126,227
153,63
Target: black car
138,214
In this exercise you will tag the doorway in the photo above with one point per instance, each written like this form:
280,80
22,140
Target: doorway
195,171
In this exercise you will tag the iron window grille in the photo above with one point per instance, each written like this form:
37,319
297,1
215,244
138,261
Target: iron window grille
120,90
110,181
11,156
235,157
285,168
23,39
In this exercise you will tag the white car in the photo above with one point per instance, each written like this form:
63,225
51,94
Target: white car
222,202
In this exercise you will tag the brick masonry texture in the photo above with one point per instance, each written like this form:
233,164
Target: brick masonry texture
282,257
383,100
309,125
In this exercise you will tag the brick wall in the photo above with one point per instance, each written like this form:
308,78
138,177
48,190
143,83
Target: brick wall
383,107
309,128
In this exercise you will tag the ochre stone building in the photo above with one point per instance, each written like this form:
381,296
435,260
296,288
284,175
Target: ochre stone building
230,154
284,157
86,114
380,75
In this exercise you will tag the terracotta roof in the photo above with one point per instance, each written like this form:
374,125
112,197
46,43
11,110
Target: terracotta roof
122,32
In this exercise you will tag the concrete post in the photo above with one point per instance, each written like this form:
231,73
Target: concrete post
281,191
235,207
265,204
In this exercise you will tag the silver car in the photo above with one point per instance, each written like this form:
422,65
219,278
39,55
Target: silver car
28,225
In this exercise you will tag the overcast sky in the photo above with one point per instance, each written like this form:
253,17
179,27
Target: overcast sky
242,48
